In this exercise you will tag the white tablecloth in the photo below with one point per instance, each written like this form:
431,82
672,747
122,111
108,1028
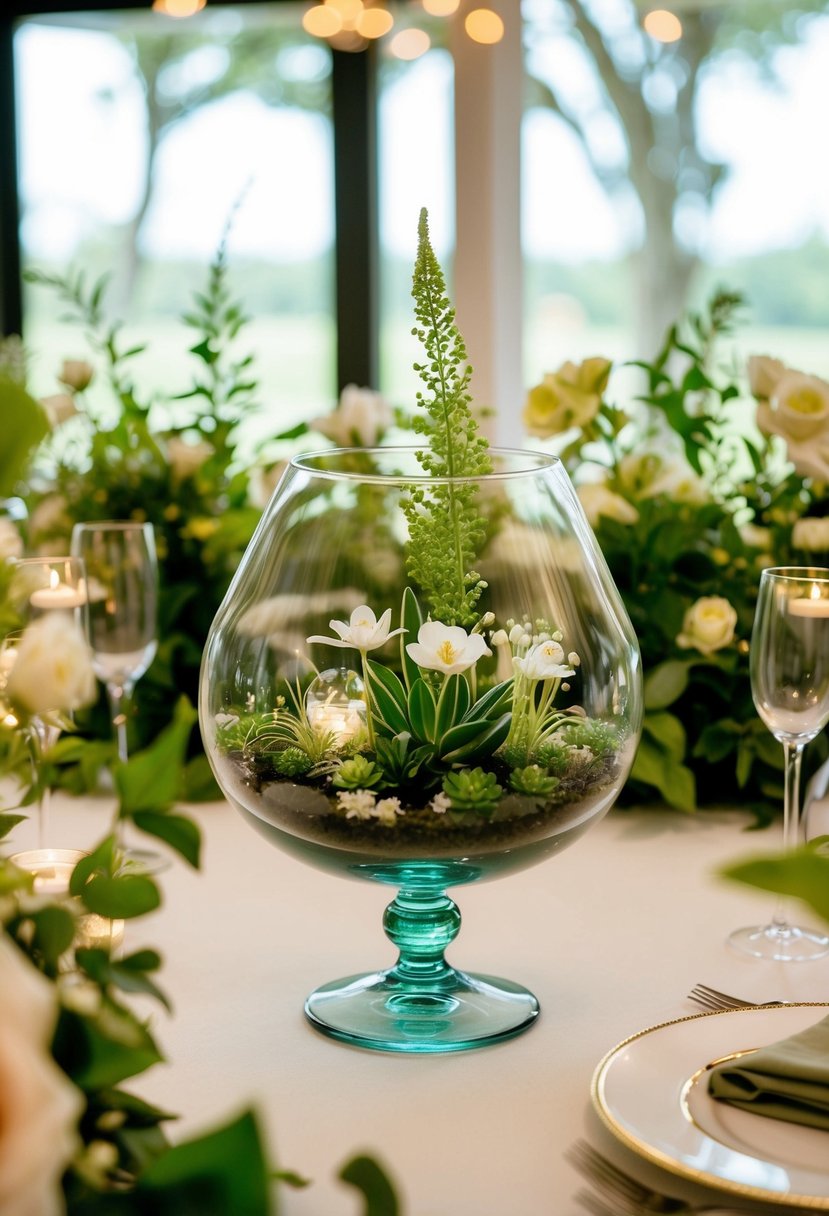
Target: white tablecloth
610,936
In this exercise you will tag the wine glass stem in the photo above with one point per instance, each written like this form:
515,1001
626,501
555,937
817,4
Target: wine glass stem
41,738
117,695
792,756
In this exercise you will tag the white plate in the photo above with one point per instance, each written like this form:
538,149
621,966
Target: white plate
652,1092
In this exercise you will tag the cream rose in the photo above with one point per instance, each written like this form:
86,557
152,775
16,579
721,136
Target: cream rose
798,411
53,666
811,534
361,417
649,475
39,1107
567,398
756,537
763,374
187,458
709,625
599,501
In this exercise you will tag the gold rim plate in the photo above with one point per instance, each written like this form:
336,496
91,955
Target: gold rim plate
651,1092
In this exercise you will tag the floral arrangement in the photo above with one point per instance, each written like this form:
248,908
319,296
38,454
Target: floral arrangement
72,1138
466,717
688,508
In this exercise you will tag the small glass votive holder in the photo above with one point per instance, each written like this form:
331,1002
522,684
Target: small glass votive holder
51,870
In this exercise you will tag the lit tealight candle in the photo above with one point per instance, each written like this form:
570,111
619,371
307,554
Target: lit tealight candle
811,605
58,594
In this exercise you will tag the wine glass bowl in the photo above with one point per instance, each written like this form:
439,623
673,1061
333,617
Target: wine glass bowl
376,741
789,663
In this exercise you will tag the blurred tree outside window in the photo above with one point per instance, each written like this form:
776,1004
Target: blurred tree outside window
143,141
656,169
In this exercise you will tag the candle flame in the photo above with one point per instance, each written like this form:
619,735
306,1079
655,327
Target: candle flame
54,579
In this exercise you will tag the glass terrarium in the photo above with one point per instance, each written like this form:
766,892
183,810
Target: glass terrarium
421,681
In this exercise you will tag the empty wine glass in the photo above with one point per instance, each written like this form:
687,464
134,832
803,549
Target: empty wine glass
40,586
790,686
122,573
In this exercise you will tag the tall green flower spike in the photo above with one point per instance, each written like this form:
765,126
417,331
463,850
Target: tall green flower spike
446,528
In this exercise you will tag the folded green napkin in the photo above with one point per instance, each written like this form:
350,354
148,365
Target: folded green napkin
786,1080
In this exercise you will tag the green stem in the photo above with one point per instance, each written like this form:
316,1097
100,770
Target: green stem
369,699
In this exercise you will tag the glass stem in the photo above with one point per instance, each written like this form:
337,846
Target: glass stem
118,696
42,737
792,756
421,923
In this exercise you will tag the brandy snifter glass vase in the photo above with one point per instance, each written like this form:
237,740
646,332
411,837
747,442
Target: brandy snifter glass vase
422,682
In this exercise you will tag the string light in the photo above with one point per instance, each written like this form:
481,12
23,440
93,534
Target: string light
178,8
441,8
663,25
410,44
485,26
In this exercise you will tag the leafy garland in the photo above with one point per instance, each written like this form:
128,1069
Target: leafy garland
446,529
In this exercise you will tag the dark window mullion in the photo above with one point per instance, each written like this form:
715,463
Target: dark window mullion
11,305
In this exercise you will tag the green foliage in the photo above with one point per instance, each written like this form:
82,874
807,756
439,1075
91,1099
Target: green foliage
533,780
446,528
472,789
367,1176
359,773
292,762
802,873
24,425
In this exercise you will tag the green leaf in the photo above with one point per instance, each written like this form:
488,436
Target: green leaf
24,425
803,873
422,711
654,766
54,932
9,822
488,740
368,1177
181,833
389,696
411,619
668,732
101,1052
453,703
665,683
223,1173
120,897
493,702
151,780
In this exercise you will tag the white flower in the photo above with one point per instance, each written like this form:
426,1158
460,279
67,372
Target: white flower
53,666
499,638
185,458
598,501
446,648
650,474
811,534
363,631
11,542
387,810
798,411
763,374
361,417
441,803
543,662
39,1107
357,804
76,374
709,625
756,537
60,407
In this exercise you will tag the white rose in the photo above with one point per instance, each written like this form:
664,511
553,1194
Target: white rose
76,374
39,1107
709,625
598,501
11,542
798,411
811,534
763,374
60,407
53,666
185,458
360,419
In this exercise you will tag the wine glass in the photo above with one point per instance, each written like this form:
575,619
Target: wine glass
39,586
122,573
790,686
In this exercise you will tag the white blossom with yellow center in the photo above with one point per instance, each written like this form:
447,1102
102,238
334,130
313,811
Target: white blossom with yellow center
446,648
544,662
362,632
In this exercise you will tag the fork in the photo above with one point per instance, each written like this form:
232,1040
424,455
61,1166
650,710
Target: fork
630,1197
712,998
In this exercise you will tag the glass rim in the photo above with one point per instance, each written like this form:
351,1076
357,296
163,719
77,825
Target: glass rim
111,525
798,574
528,462
48,559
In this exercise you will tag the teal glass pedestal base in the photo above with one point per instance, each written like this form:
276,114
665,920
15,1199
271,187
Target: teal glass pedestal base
421,1004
